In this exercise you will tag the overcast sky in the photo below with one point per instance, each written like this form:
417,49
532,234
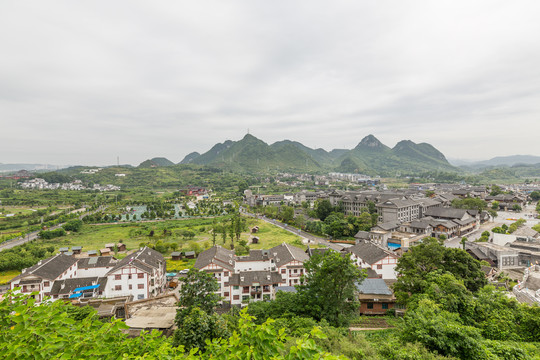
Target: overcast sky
82,82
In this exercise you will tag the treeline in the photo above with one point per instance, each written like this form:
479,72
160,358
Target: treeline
24,256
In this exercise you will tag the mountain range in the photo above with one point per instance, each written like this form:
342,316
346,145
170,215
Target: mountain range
370,157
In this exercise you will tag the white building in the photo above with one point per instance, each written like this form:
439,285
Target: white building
367,255
141,275
253,277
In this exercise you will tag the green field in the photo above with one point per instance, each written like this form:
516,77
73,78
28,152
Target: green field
94,237
270,235
5,276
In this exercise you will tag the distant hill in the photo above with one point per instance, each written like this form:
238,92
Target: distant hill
188,159
370,156
29,167
156,162
510,160
252,154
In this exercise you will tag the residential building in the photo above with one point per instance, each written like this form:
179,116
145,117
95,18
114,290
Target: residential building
248,278
368,255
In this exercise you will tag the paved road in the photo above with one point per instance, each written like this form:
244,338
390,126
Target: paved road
34,235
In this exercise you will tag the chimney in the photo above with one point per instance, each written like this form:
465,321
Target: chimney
267,277
63,286
40,262
241,278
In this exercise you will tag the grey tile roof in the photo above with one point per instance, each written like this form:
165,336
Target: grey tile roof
285,253
218,255
95,262
388,226
446,213
362,235
373,287
254,255
248,278
368,252
50,268
145,259
72,284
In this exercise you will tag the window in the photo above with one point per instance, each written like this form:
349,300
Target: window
236,297
129,277
118,287
226,273
140,276
45,283
385,305
117,277
370,305
295,271
379,267
226,294
140,286
283,271
236,287
130,287
140,296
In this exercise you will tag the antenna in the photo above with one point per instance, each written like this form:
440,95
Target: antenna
118,160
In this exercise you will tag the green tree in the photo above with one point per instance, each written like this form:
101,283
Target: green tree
416,264
197,328
330,284
197,289
323,208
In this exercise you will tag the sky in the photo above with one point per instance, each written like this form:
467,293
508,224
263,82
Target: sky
85,82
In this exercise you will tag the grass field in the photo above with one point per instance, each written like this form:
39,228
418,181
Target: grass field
17,210
270,235
94,237
5,276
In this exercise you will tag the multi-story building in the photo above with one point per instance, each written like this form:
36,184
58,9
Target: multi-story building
367,255
252,277
140,275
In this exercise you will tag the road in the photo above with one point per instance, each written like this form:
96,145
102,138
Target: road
34,235
309,238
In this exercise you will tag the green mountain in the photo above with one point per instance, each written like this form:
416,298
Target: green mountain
252,154
189,158
156,162
370,157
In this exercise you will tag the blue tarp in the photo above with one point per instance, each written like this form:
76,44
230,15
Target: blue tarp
394,246
171,274
73,296
86,288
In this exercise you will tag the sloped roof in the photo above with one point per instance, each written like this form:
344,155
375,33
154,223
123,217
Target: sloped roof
218,255
388,226
368,252
50,268
72,284
447,213
249,277
145,259
94,262
362,235
285,253
373,287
